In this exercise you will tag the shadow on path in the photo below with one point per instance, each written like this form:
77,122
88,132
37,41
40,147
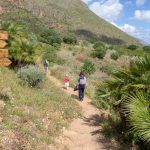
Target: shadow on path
93,120
96,121
75,97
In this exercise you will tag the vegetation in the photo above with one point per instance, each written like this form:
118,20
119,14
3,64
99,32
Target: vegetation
70,39
132,47
50,54
107,69
64,17
99,52
50,36
137,107
114,55
32,75
37,115
98,44
30,113
22,45
22,51
88,67
123,50
118,90
146,48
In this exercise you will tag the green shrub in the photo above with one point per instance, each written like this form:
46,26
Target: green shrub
107,69
121,88
5,93
57,46
88,67
99,52
22,44
132,47
146,48
32,75
14,28
102,104
51,56
114,55
51,37
110,47
22,51
70,39
85,43
98,44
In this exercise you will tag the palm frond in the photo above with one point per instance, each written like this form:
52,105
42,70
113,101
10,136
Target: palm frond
137,107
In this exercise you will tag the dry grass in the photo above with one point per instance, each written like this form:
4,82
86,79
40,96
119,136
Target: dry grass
74,60
33,117
81,57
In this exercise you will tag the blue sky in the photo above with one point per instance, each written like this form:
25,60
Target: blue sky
131,16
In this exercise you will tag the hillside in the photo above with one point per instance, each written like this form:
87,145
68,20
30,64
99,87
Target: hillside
65,15
30,118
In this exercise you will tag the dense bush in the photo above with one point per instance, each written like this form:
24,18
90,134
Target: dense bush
22,51
51,55
99,101
99,52
5,93
137,107
110,47
146,48
51,37
88,67
14,28
98,44
132,47
70,39
22,45
107,69
123,92
114,55
32,75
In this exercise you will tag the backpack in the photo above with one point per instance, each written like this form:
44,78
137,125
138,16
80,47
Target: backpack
46,63
82,81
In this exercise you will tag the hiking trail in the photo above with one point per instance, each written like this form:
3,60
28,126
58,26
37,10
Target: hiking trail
84,133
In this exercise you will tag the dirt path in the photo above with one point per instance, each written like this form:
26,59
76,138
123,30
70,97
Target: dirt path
84,133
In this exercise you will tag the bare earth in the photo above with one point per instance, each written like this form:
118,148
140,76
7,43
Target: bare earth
84,133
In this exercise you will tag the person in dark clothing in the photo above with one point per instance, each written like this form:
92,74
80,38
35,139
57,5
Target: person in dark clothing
81,85
46,63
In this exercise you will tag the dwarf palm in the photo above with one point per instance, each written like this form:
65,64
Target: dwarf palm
127,80
14,29
137,108
22,51
133,110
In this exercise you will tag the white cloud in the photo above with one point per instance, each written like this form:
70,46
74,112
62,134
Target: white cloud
126,28
142,34
107,9
86,1
140,2
142,15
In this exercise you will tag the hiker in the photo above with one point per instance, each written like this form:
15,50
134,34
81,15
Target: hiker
66,81
81,85
46,63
